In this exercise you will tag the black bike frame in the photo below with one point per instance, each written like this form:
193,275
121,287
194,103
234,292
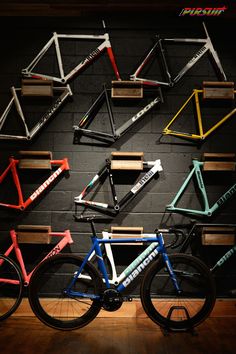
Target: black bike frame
154,167
171,80
116,133
191,234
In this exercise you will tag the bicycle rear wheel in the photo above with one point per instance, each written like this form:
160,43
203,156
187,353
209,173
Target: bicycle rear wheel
47,295
11,286
176,311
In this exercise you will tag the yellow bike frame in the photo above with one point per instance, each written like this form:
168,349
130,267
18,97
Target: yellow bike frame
202,135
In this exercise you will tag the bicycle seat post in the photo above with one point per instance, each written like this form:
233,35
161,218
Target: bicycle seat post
93,228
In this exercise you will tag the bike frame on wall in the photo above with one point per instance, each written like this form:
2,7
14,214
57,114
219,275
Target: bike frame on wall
64,78
153,166
63,239
29,133
208,210
171,80
116,133
202,134
12,168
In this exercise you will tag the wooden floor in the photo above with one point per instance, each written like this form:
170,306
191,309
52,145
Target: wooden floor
27,335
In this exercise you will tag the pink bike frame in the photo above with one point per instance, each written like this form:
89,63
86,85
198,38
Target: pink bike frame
66,239
12,167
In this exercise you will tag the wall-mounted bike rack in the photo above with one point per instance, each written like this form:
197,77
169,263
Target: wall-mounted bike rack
32,89
126,89
127,232
36,234
218,235
119,161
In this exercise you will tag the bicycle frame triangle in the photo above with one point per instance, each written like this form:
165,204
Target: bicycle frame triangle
116,133
153,168
171,80
207,210
29,133
65,77
202,135
23,203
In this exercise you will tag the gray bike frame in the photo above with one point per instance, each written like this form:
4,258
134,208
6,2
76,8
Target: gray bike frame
30,133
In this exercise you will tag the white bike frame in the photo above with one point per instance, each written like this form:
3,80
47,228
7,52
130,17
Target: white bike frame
64,78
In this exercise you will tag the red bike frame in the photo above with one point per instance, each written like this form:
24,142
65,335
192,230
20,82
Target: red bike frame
12,167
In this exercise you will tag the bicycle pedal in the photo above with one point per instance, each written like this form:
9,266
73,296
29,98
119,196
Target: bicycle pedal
127,299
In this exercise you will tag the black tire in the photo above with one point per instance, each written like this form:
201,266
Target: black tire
175,311
48,300
11,286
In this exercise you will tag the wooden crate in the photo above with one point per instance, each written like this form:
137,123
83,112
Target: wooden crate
218,90
35,160
127,89
127,160
38,234
218,235
122,232
36,87
219,161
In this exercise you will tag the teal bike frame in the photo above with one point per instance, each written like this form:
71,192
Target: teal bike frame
208,211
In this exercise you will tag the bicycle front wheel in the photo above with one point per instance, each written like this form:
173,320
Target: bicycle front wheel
11,286
173,310
49,300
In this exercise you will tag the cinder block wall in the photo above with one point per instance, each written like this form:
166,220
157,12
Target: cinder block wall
131,38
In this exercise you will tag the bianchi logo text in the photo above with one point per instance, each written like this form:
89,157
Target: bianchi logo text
202,11
45,184
139,269
227,195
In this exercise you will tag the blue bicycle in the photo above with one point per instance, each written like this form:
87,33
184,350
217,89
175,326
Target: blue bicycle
177,291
